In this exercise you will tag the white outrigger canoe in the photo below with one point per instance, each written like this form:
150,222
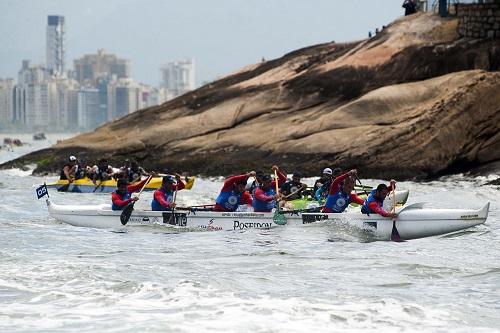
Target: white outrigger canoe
414,221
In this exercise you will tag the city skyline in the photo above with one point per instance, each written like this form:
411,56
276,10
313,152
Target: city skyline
222,36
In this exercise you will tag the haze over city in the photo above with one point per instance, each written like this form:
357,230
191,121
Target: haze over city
221,35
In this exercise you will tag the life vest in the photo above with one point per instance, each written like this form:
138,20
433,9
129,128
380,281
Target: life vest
338,202
264,206
365,209
124,196
168,196
229,200
62,175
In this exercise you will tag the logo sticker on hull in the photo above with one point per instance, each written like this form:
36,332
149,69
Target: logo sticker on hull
175,219
311,218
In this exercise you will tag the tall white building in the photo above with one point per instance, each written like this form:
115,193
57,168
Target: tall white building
88,109
56,51
6,101
178,77
34,97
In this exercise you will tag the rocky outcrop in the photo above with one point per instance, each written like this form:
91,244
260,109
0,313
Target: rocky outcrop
416,101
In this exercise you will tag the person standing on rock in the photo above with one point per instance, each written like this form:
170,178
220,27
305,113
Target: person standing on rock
163,198
293,189
265,195
233,194
410,7
122,196
339,195
375,201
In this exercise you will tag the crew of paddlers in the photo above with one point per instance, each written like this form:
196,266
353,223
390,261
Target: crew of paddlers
262,195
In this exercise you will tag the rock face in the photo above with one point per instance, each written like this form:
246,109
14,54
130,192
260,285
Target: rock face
416,101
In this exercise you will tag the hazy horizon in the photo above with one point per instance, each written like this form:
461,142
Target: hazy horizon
222,36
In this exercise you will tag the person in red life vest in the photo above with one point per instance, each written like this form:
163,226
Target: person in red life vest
339,195
233,194
265,195
163,197
375,201
122,196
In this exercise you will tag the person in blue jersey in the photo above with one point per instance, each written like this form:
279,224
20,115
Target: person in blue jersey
265,195
375,201
122,196
163,197
233,194
324,188
340,196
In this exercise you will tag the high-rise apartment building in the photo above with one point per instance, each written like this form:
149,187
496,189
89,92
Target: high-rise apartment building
56,51
178,77
92,67
6,102
124,97
34,97
88,109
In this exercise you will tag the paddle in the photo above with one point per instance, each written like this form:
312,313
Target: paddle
394,233
97,186
359,181
172,217
129,208
64,188
293,193
278,218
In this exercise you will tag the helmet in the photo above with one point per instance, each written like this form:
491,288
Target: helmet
327,171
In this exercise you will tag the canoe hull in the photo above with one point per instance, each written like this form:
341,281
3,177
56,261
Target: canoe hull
85,185
412,223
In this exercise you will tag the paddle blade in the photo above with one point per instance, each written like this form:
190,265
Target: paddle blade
64,188
126,212
279,219
395,234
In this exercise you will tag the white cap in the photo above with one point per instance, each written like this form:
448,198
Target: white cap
327,171
72,158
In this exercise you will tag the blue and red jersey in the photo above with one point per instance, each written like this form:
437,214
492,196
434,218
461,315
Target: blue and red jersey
264,198
120,200
229,199
337,200
162,199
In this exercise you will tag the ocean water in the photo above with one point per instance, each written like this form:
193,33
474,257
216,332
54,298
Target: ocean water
316,278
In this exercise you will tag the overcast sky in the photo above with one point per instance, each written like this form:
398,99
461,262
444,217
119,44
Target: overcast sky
221,35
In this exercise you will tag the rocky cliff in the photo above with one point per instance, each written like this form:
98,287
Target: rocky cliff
415,101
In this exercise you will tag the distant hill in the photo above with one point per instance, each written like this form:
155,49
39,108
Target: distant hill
415,101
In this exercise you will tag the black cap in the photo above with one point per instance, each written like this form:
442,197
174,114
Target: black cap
297,175
168,180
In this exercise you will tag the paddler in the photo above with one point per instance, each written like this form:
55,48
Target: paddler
69,170
375,201
265,195
292,190
233,194
122,196
339,195
163,198
322,185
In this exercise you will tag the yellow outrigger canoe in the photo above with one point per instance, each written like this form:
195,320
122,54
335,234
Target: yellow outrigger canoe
85,185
